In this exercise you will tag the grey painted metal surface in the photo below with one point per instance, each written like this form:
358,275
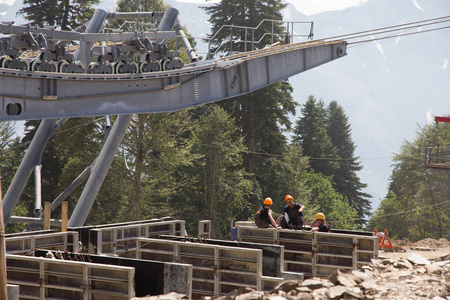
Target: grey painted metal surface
95,25
52,95
99,171
32,157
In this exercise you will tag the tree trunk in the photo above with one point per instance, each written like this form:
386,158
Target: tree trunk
213,178
139,162
247,113
3,278
65,17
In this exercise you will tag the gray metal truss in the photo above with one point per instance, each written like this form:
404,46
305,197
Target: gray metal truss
26,95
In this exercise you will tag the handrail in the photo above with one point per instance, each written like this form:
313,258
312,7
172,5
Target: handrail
437,157
288,36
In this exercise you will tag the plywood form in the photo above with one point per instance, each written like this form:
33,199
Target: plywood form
217,270
44,278
319,253
118,239
24,244
272,254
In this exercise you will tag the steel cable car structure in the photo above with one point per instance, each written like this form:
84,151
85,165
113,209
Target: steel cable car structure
101,79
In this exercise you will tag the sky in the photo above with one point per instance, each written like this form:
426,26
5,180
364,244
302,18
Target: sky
307,7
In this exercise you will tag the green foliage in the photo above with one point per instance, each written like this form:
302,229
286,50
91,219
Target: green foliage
157,153
223,185
325,199
263,115
311,133
11,152
417,204
346,181
325,135
247,13
63,14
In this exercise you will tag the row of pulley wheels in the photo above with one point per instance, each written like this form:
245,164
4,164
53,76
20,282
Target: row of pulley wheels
106,67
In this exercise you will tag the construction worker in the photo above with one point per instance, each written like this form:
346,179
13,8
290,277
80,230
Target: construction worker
293,214
319,224
264,216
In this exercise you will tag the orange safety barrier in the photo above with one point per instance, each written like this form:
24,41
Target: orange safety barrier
383,239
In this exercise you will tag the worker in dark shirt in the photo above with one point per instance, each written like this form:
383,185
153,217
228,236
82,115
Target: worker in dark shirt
264,216
319,224
292,214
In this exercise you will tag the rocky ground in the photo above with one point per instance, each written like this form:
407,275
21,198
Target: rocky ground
418,270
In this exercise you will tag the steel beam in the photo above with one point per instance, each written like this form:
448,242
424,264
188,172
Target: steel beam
99,171
31,158
26,95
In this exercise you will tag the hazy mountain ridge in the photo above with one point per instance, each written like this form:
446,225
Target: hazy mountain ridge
385,87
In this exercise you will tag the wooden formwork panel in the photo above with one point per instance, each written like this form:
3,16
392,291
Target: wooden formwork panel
272,254
118,239
43,278
256,235
318,253
204,229
59,241
216,269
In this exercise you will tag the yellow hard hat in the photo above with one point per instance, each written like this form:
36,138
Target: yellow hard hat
288,197
320,216
268,201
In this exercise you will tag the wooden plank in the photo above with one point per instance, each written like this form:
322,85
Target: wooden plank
47,215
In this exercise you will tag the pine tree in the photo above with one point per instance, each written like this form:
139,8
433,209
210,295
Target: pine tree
63,14
262,116
248,13
311,133
345,180
223,186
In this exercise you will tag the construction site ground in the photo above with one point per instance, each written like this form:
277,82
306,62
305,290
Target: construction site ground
428,248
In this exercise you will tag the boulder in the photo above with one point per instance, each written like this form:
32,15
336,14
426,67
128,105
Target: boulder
417,259
344,278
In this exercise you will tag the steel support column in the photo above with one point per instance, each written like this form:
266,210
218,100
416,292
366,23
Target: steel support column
99,171
32,158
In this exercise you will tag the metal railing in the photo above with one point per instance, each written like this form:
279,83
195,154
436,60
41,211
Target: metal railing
437,157
288,36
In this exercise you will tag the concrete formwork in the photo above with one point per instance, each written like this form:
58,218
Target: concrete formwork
117,239
43,278
84,231
204,229
318,253
217,270
272,254
272,264
24,244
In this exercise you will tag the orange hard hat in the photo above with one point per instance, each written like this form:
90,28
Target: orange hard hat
288,197
268,201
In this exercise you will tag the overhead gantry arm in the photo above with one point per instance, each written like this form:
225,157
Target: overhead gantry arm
29,95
